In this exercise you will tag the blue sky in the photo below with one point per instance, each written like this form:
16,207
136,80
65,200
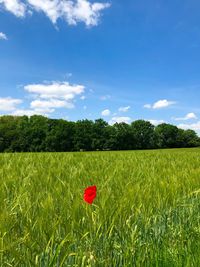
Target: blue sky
119,60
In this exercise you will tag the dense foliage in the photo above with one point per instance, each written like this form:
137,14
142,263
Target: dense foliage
38,133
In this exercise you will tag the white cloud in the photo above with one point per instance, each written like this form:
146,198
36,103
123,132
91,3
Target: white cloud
46,98
82,11
72,11
9,104
163,104
124,109
51,96
31,112
17,7
156,122
3,36
52,103
105,112
62,90
83,97
51,8
119,120
188,116
192,126
191,116
160,104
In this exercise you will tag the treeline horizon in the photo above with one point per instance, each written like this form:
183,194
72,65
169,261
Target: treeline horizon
41,134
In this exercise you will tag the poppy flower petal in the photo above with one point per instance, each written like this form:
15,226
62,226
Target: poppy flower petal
90,194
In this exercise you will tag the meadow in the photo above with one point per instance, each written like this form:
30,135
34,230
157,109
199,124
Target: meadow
146,213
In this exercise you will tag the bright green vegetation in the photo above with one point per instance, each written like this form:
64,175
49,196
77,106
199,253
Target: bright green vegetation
147,211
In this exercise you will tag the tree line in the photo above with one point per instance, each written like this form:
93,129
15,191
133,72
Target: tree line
40,134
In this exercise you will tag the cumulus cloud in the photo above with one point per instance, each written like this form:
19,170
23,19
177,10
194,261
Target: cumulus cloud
105,112
188,116
160,104
50,8
192,126
47,97
119,120
72,11
62,90
17,7
9,104
51,96
3,36
124,109
82,11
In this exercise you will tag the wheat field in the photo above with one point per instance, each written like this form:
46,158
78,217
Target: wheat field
146,213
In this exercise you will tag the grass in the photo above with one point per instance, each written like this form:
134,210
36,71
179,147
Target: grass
147,210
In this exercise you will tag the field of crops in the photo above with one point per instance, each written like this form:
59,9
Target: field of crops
146,213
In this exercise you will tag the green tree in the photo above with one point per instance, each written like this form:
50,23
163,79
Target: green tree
36,132
191,138
144,136
8,132
21,140
100,135
123,136
59,136
83,135
167,135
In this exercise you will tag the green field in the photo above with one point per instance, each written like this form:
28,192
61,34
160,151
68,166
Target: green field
147,210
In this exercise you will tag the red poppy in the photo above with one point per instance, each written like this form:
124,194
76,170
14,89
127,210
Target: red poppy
90,194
